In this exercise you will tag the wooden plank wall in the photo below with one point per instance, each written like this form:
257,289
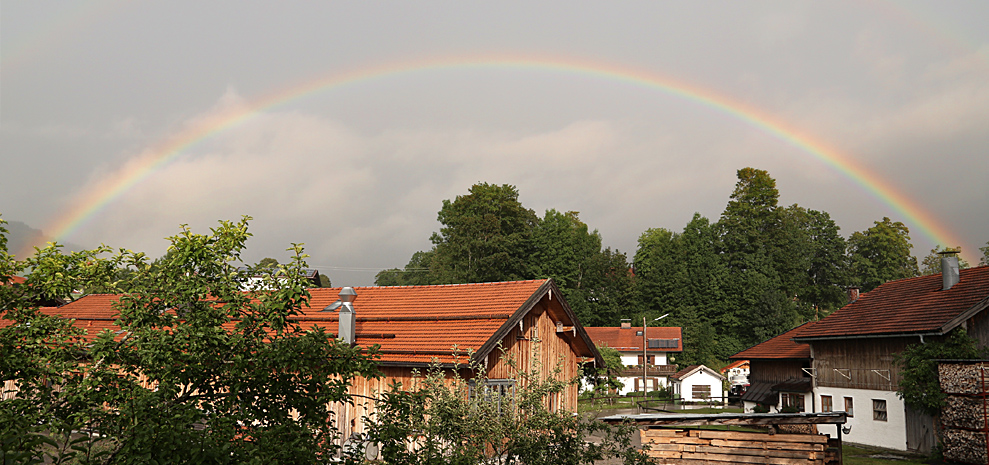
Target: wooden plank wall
697,447
538,346
850,363
775,371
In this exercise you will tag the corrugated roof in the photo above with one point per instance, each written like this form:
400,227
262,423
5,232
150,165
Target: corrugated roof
414,324
913,305
625,340
780,347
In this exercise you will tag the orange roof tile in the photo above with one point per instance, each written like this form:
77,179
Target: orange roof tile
412,324
913,305
779,347
625,339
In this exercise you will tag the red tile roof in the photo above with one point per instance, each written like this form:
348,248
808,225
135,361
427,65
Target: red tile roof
736,363
412,324
14,280
780,347
625,340
913,305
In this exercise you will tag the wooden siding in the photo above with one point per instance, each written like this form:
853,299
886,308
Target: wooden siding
775,371
859,363
978,328
536,345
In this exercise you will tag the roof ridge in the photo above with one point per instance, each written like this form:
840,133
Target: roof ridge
442,285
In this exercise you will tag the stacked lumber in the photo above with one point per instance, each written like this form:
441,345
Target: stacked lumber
965,416
700,447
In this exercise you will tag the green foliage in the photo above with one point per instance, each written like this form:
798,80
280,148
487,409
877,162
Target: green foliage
486,236
200,371
605,379
881,253
985,255
931,264
455,420
919,387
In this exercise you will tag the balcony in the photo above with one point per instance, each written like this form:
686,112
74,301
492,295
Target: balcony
651,370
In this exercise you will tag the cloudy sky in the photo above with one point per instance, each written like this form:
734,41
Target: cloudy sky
344,125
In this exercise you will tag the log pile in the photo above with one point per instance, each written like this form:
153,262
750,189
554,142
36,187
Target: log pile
704,447
964,446
965,417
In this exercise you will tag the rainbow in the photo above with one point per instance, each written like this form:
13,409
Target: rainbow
106,190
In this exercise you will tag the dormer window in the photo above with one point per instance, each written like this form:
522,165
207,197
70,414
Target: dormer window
638,333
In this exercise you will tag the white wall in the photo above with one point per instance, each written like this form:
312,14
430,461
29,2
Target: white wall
701,377
891,434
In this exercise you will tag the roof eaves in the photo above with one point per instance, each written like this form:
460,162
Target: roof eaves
961,318
869,336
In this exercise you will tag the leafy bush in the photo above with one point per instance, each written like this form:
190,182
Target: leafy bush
452,420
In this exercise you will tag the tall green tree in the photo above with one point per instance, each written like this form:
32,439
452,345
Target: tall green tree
985,254
931,264
881,253
200,371
753,243
486,236
596,282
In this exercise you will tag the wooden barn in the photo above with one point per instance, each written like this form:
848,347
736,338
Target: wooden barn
418,327
854,350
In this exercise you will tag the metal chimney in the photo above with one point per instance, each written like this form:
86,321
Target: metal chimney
949,269
348,319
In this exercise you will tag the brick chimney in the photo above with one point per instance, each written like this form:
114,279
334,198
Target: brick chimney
853,293
626,324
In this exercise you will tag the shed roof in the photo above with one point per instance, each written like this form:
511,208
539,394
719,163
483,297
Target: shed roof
908,306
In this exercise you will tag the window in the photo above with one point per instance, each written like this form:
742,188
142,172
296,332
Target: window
500,392
792,402
701,391
879,409
826,405
651,360
849,410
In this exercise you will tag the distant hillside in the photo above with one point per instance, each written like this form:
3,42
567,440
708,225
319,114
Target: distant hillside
21,235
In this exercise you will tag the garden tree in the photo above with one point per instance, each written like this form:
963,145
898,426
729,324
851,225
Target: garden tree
605,379
880,254
193,349
486,236
931,264
466,422
919,386
985,254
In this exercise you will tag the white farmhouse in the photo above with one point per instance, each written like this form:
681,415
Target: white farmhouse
649,355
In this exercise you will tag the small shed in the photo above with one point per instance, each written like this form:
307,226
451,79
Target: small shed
698,383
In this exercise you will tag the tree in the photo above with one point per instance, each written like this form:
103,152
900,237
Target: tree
469,421
192,350
931,264
596,282
486,236
881,253
985,255
919,386
415,273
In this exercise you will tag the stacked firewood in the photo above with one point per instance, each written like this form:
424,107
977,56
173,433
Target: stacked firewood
696,447
965,417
